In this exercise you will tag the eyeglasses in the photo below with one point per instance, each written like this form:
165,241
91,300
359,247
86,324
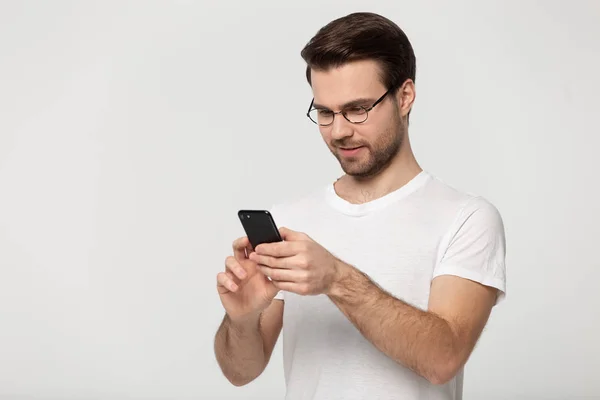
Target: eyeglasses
355,115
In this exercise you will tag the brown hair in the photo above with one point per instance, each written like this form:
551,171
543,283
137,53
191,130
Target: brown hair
362,36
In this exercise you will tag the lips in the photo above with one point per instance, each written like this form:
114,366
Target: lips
350,151
350,148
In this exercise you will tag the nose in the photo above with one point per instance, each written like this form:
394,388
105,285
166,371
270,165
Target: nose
340,128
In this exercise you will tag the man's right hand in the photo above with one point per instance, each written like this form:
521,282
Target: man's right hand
244,291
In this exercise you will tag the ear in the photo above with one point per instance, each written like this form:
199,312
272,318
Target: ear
405,97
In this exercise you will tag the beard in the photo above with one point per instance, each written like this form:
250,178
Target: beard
374,157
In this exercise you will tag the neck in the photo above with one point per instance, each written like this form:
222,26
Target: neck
402,168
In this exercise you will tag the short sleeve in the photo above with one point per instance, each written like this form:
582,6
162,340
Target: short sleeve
476,246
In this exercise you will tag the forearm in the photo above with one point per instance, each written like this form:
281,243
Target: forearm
239,349
412,337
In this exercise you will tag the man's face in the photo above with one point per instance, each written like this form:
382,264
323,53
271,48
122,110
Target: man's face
363,149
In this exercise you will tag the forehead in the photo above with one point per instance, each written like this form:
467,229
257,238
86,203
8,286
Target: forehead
336,86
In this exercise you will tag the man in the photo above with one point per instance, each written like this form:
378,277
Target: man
387,276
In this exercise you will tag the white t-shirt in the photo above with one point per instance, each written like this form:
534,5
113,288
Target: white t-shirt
401,241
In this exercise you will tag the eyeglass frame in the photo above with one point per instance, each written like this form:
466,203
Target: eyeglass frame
367,109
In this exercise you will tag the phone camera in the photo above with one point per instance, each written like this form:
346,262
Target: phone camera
247,216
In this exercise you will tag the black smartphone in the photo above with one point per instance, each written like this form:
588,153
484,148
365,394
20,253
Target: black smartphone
260,227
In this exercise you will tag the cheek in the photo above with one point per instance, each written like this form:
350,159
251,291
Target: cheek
325,134
366,134
381,131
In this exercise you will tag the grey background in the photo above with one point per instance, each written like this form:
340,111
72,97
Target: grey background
132,131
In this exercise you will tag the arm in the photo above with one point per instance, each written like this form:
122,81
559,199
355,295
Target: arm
243,348
434,343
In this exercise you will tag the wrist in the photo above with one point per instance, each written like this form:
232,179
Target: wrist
341,276
243,322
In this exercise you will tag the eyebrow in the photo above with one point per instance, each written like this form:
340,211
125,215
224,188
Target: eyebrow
353,103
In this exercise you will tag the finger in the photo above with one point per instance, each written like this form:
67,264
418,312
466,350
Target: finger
241,247
302,289
280,249
225,283
284,275
289,234
231,264
233,278
271,262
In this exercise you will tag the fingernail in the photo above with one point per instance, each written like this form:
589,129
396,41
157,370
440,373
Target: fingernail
233,286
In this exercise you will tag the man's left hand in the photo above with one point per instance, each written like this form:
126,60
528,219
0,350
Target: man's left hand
298,264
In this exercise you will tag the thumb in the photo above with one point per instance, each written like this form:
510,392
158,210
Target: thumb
289,234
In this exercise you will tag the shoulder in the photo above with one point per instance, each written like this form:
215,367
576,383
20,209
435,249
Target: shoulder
481,210
475,222
463,203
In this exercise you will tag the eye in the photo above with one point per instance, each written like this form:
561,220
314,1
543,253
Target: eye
325,113
355,111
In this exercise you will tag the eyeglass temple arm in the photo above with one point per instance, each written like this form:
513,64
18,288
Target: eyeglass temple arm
311,104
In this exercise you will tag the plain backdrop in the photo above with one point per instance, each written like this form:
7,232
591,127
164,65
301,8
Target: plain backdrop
132,131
